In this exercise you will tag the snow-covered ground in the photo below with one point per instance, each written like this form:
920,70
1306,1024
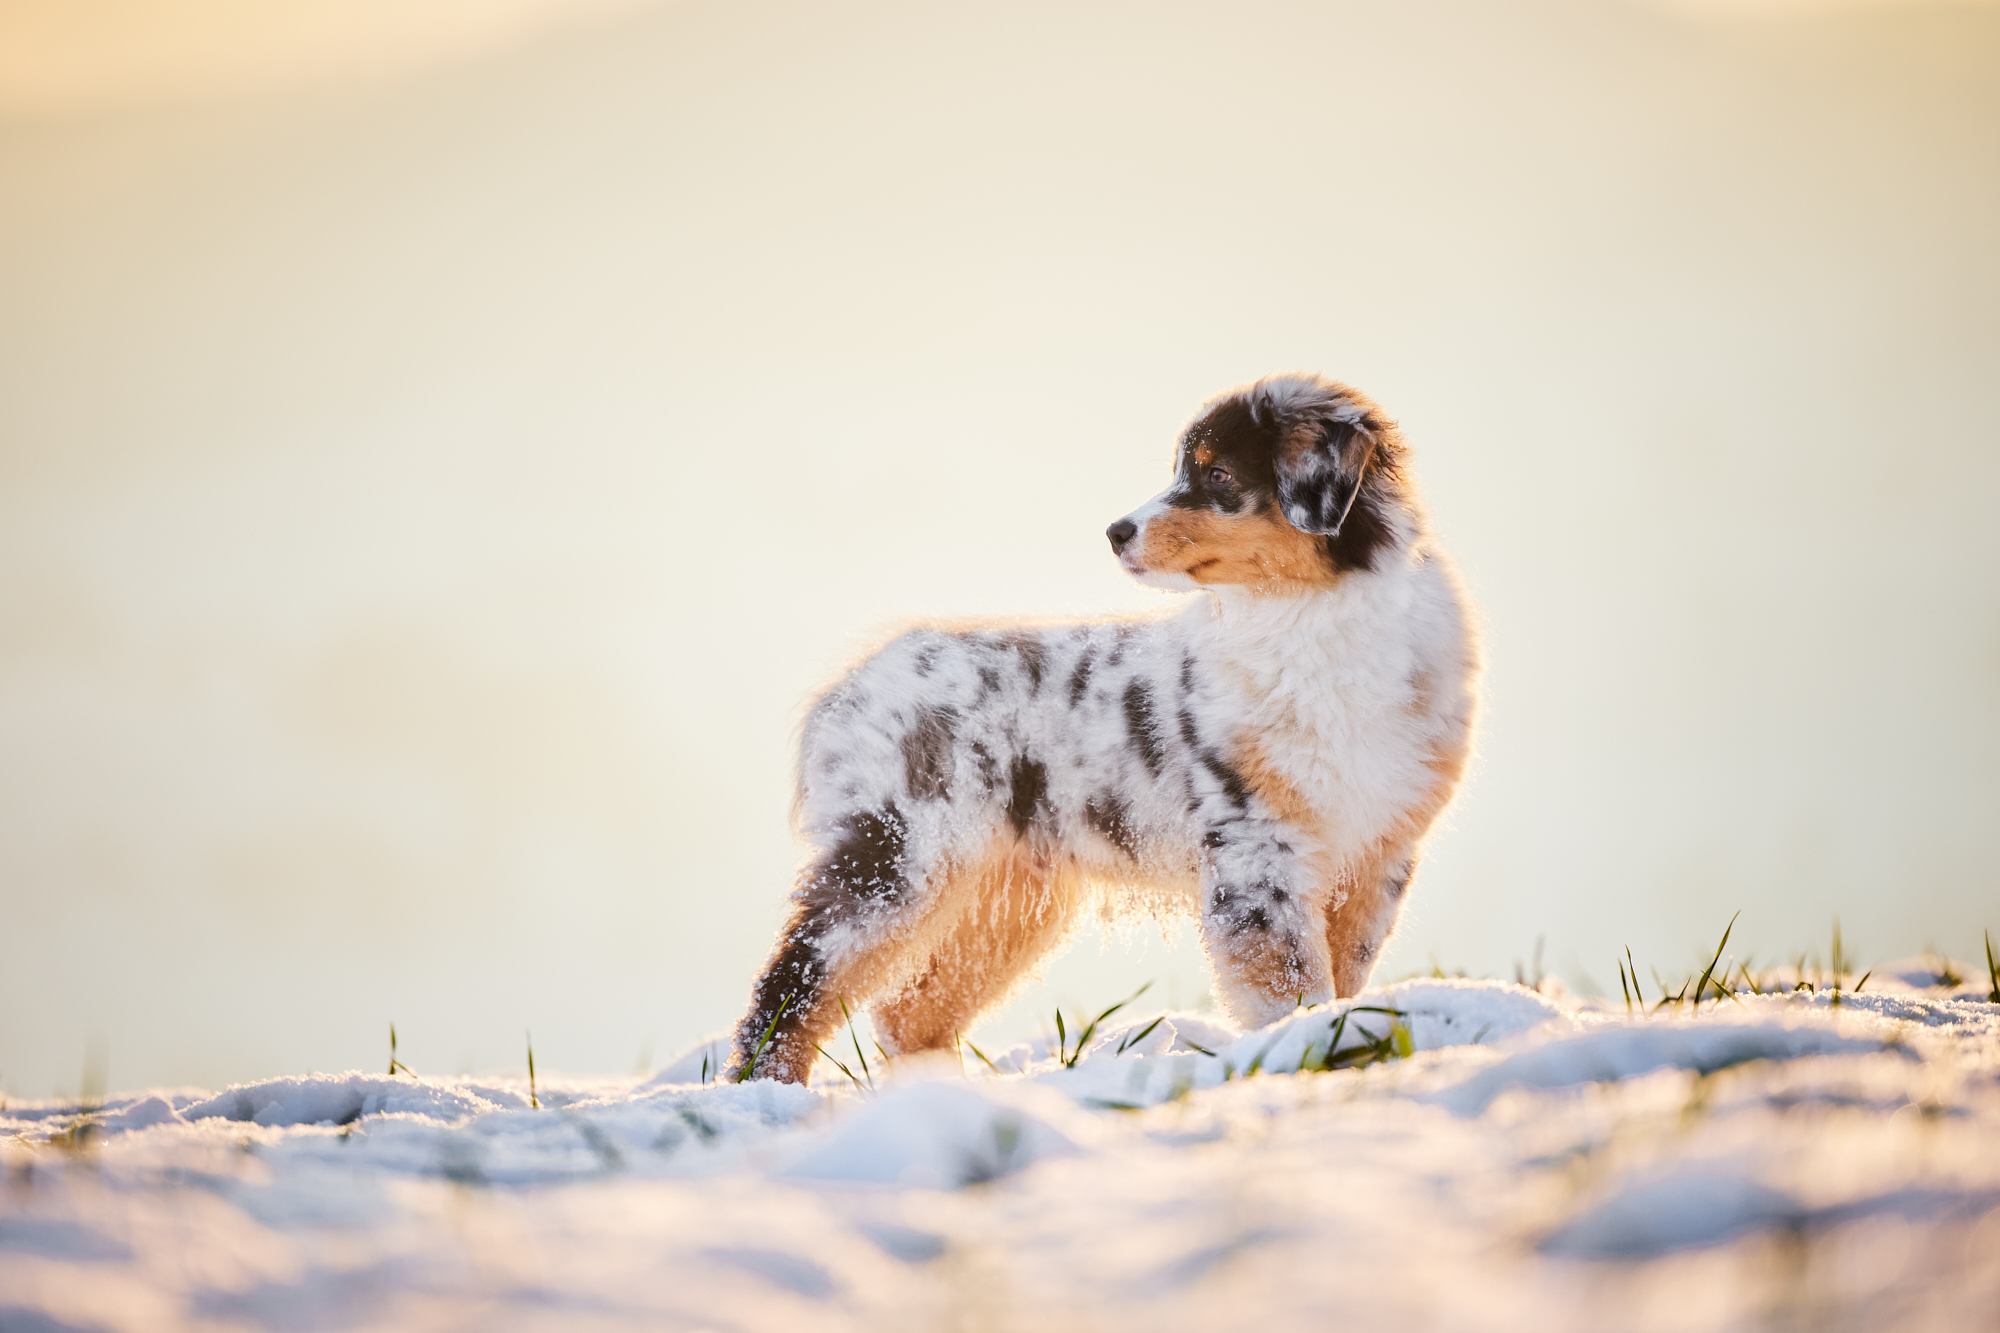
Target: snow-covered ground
1494,1158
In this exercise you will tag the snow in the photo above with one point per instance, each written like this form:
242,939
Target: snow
1497,1158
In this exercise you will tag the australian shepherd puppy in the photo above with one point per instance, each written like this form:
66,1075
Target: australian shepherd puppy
1268,760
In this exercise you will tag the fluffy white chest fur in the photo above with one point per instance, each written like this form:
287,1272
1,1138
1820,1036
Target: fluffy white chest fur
1351,693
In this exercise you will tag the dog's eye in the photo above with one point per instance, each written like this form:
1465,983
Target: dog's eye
1219,476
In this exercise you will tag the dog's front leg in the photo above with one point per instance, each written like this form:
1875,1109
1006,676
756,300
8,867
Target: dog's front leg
1261,924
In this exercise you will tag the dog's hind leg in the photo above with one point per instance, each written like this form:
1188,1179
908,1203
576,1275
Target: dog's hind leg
1358,928
857,914
1009,915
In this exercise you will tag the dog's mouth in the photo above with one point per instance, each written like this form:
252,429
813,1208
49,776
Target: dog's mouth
1173,580
1139,569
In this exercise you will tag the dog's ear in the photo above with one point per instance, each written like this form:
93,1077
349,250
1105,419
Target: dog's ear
1321,468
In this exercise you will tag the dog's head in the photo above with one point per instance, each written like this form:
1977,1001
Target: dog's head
1280,487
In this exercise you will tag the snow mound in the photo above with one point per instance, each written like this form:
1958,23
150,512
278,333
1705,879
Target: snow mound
1433,1013
1705,1208
932,1135
144,1113
1626,1051
703,1064
1678,1213
342,1099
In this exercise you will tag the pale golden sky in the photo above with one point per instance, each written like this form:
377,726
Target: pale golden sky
441,445
70,57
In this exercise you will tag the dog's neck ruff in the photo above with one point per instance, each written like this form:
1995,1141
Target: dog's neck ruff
1269,638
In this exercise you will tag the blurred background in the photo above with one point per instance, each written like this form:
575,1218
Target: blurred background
442,444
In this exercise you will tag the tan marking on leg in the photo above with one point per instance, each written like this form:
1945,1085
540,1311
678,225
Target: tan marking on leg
1252,761
1361,919
1258,981
1356,930
892,948
1009,914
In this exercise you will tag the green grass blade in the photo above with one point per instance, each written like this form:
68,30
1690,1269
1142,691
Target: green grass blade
1143,1033
856,1036
835,1060
1709,971
743,1074
982,1056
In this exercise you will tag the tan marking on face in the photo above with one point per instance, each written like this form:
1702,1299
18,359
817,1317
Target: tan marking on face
1203,455
1259,551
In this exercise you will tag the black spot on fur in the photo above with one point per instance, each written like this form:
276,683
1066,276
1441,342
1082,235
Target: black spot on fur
1139,723
927,747
926,660
1029,784
989,767
989,680
1188,732
1079,679
1232,782
1255,918
867,862
1187,673
1397,881
1113,820
1033,654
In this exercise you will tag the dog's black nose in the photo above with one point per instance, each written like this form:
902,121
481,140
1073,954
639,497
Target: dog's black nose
1124,530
